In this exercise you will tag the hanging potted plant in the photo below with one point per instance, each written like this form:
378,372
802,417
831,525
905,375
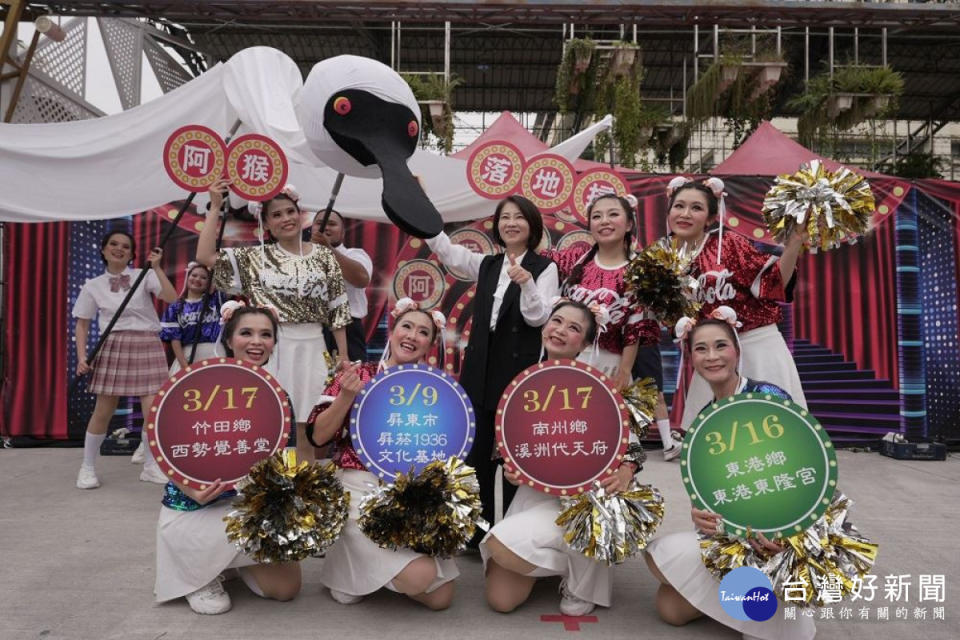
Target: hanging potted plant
623,58
573,70
435,97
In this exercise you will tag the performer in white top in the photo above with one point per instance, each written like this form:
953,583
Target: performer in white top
357,270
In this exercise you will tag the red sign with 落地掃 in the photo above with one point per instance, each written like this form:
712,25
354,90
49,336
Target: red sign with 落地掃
256,166
216,420
194,157
494,169
548,181
562,426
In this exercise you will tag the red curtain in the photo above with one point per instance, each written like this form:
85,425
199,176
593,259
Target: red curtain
846,300
383,243
35,332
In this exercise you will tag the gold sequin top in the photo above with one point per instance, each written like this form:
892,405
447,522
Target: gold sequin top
304,289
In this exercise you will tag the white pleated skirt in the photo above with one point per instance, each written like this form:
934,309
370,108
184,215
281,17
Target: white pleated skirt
299,365
192,550
677,556
204,350
765,358
357,565
530,531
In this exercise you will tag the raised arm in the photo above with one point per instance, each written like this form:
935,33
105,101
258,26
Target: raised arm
207,243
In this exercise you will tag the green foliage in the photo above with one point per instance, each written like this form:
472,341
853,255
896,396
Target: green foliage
915,165
862,83
428,87
566,73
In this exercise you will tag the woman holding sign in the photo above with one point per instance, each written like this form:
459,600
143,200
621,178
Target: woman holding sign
132,362
528,544
192,546
356,566
687,589
301,280
512,302
732,272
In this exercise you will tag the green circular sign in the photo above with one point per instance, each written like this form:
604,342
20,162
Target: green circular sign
762,462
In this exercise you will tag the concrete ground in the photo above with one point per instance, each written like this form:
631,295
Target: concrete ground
80,564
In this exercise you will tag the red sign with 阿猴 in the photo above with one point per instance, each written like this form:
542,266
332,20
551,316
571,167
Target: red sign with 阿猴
256,166
194,157
216,420
562,426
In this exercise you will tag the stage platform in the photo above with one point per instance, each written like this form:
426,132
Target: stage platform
80,565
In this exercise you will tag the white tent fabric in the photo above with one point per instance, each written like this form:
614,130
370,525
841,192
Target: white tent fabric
112,166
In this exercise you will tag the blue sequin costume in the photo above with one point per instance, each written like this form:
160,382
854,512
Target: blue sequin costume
758,386
174,498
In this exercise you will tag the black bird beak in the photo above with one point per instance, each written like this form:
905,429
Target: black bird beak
374,131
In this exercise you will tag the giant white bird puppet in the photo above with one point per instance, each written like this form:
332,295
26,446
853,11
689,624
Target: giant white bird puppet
361,118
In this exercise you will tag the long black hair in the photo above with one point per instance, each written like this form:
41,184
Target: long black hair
576,274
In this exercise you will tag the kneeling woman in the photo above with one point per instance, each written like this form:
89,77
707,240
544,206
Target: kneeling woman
687,590
527,544
192,545
355,565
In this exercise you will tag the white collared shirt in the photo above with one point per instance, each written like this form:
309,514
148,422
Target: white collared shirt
357,296
96,299
535,294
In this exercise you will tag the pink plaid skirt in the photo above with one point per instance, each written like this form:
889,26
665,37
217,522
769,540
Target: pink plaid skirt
131,363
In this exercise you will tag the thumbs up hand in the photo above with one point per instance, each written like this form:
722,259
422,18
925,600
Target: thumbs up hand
515,272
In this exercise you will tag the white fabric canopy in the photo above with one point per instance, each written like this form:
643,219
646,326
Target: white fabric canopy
113,166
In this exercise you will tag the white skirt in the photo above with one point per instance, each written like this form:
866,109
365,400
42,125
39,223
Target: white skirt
677,556
192,549
299,365
606,361
765,358
357,565
530,531
204,350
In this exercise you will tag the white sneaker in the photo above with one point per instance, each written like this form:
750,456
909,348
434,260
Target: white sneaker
87,478
673,452
139,455
344,598
571,605
152,473
211,599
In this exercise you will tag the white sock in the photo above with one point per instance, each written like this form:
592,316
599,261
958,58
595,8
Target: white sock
148,459
663,426
91,448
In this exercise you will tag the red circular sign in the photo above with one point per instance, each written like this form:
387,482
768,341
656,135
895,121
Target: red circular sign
548,182
576,238
494,169
194,157
421,281
256,166
592,185
562,425
474,240
216,420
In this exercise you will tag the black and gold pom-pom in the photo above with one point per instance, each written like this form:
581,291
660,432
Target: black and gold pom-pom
659,280
612,527
286,512
434,512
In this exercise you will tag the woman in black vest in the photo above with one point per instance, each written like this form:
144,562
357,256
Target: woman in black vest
512,302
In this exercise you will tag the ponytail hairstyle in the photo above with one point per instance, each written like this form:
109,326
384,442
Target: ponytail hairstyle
629,209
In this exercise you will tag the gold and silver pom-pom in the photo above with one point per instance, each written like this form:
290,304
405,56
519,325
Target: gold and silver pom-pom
611,527
831,206
286,511
435,512
824,563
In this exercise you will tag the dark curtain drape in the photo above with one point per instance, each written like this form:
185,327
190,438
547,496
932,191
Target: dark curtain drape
35,331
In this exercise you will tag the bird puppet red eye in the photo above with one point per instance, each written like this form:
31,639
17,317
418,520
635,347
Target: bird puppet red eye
342,105
413,128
